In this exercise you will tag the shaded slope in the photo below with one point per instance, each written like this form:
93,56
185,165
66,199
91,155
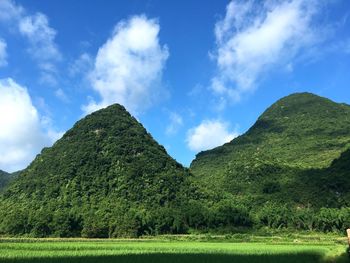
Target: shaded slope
334,181
106,177
4,179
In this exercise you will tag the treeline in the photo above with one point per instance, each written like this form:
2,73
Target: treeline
323,219
226,217
118,220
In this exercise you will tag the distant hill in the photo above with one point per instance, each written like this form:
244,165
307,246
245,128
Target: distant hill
4,179
283,157
105,177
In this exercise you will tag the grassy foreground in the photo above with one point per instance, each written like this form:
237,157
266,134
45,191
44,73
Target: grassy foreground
164,250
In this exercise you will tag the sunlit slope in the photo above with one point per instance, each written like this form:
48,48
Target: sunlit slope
107,176
276,158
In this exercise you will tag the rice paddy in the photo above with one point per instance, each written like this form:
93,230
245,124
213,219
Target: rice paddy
172,251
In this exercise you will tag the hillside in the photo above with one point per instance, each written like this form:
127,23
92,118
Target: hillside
105,177
282,156
4,179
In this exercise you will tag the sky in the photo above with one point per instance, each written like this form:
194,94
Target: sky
196,74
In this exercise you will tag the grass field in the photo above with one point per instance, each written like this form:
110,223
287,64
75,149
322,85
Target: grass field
165,250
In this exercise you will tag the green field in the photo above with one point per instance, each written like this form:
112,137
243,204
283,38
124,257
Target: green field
165,250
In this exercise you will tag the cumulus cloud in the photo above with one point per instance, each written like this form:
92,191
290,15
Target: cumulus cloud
209,134
176,122
41,37
256,36
128,67
23,132
3,53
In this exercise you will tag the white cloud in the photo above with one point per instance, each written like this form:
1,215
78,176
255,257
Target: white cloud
176,122
41,37
209,134
42,45
3,53
128,67
23,132
254,37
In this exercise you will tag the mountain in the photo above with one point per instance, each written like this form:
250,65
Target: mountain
4,179
105,177
283,157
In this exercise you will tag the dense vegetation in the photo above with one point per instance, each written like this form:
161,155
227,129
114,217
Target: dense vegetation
5,178
286,170
107,177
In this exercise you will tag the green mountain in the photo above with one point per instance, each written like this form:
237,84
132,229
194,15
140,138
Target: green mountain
105,177
7,178
4,179
285,157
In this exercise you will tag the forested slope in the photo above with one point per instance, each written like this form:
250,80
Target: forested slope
107,176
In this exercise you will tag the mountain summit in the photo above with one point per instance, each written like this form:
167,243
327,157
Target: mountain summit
105,177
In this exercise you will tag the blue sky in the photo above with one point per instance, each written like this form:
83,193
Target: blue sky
195,73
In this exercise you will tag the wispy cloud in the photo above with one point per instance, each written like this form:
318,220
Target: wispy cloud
255,37
209,134
176,121
60,94
39,34
3,53
83,64
342,46
128,67
10,11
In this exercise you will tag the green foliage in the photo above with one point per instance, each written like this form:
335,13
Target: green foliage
295,157
324,219
271,187
6,178
300,131
106,177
